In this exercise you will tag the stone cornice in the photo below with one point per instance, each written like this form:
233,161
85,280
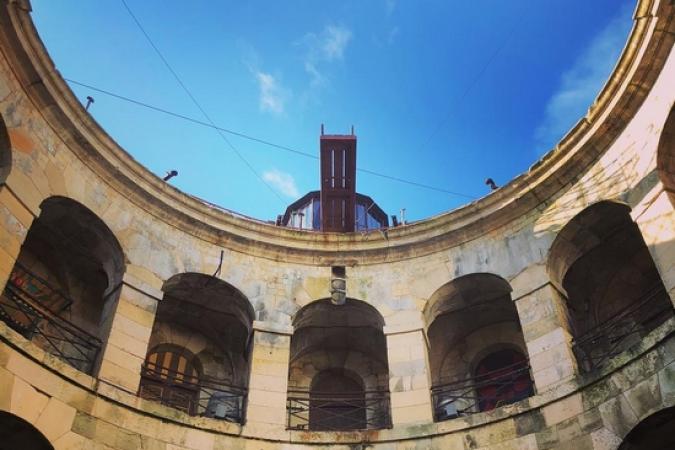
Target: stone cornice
639,66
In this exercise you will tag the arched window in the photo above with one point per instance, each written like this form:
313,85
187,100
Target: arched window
205,324
337,402
171,376
338,373
612,290
501,379
66,276
465,319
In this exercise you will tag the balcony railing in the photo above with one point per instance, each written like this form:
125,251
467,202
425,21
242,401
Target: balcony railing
32,307
483,392
318,411
194,396
599,345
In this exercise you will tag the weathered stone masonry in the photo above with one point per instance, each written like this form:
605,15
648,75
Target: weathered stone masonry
533,269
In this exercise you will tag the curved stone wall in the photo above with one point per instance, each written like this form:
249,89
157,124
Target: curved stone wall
621,151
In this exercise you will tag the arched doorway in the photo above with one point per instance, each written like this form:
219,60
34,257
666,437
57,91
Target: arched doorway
16,433
199,357
68,270
653,433
614,294
339,374
476,347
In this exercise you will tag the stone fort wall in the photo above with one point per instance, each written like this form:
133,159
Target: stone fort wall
621,152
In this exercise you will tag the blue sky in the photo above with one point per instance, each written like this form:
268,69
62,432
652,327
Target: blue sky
442,93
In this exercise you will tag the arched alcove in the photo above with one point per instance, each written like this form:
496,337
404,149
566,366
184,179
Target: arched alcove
613,292
16,433
472,324
665,157
67,274
5,152
653,433
337,401
346,344
211,322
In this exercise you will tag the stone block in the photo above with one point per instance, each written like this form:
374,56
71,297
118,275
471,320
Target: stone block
618,416
119,376
415,413
199,439
563,409
547,341
26,402
266,414
56,419
138,314
6,388
604,439
72,441
645,397
530,422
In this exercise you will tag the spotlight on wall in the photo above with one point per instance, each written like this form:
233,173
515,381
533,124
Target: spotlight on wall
338,285
169,175
90,100
490,182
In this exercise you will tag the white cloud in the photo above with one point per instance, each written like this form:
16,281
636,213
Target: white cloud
335,41
323,48
272,95
581,83
282,181
389,7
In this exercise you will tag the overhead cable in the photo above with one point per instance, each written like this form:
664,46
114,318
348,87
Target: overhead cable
258,140
197,104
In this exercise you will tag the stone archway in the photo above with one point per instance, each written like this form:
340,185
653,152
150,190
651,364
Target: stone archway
344,343
212,321
653,433
469,319
69,270
613,292
16,433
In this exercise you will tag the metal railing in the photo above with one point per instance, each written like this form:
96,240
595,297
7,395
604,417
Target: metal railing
599,345
323,411
197,397
30,306
483,392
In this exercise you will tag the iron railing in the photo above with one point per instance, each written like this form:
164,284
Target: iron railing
482,392
599,345
30,306
197,397
322,411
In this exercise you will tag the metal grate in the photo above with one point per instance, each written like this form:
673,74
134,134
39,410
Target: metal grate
317,411
483,392
31,306
599,345
196,397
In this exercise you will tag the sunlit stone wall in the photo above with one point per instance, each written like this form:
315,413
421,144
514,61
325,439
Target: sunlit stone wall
621,152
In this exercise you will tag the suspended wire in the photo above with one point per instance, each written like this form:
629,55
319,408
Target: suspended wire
198,105
475,79
258,140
